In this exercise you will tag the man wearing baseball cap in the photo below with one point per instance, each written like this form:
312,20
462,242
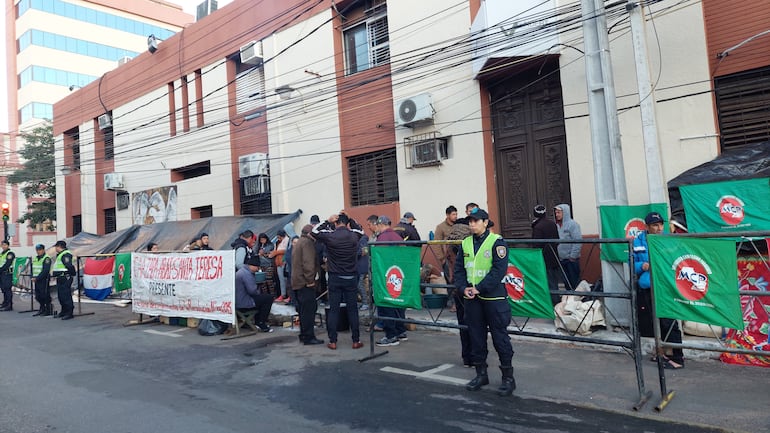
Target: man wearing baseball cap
41,268
479,270
405,228
669,327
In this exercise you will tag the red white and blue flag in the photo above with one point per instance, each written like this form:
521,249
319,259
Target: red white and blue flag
97,277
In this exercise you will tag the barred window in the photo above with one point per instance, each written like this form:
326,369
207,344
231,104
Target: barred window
373,178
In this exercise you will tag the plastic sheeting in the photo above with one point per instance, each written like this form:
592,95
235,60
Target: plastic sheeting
175,235
746,162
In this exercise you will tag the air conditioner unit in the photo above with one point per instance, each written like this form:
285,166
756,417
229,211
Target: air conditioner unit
254,164
113,181
417,109
251,53
123,60
429,152
105,121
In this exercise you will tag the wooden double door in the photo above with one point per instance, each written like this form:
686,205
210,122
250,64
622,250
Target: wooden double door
530,146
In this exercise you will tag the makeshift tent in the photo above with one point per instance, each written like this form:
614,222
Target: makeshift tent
175,235
746,162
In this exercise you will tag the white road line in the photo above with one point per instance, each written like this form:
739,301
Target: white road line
165,334
429,374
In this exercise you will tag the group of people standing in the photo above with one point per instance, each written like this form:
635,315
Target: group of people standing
43,268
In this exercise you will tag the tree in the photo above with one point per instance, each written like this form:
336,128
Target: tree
37,176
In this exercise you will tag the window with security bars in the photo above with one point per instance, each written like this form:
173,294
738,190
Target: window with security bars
373,178
367,43
110,221
77,224
249,86
255,195
743,107
72,141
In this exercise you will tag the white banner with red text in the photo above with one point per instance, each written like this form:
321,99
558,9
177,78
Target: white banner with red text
199,284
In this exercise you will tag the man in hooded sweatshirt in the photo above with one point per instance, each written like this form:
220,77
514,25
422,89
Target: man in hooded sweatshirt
569,253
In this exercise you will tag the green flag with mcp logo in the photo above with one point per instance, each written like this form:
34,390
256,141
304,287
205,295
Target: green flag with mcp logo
695,279
396,276
527,284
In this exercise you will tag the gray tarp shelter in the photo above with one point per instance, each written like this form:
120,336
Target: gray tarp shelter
175,235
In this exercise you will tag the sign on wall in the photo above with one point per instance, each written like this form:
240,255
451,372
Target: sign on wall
198,284
154,205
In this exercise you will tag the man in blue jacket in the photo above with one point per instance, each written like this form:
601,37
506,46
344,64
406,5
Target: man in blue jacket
668,327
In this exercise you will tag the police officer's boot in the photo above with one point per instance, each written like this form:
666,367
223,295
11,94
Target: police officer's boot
40,311
480,380
48,310
509,383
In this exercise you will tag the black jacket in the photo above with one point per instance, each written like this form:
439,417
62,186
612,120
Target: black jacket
341,246
407,231
543,228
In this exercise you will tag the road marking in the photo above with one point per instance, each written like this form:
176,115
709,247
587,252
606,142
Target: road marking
165,334
428,374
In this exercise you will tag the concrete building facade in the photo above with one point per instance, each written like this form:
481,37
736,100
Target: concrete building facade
382,107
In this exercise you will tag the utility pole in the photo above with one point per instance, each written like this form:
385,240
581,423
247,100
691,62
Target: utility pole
609,174
655,179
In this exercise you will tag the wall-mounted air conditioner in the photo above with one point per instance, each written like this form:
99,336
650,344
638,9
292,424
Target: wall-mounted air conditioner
426,150
113,181
251,53
254,164
417,109
105,121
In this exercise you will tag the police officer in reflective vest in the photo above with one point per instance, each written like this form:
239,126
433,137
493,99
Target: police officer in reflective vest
41,268
7,259
63,270
479,270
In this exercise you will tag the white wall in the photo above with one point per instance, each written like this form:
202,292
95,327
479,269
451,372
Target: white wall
427,191
303,132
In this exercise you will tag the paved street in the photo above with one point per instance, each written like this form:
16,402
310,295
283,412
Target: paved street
93,375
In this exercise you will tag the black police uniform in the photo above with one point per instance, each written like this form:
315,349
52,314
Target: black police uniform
488,310
42,290
6,280
64,286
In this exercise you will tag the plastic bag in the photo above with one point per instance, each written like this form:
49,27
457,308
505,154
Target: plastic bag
208,327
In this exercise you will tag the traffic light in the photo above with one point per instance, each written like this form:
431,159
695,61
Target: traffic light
6,211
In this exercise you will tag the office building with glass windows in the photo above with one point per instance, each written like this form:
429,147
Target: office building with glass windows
56,46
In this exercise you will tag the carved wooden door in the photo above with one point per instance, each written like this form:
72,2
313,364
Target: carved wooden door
530,148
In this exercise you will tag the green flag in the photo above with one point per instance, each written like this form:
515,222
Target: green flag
527,284
737,205
625,222
696,279
396,276
20,267
122,277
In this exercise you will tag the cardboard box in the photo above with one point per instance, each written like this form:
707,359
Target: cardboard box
193,322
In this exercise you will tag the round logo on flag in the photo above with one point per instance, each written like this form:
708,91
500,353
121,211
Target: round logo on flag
634,227
394,280
121,272
94,283
691,277
514,282
731,209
